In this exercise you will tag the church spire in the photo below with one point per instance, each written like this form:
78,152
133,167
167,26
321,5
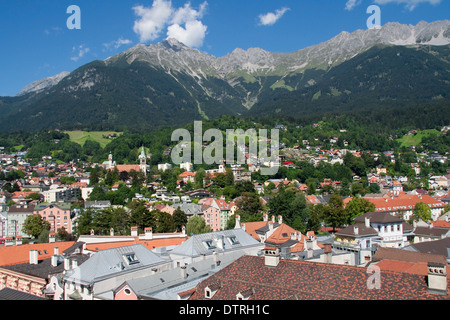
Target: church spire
142,155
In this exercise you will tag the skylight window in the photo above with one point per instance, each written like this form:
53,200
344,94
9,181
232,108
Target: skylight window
130,258
233,240
209,244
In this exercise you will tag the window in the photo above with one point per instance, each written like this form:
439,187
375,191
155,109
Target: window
233,240
130,258
127,291
209,244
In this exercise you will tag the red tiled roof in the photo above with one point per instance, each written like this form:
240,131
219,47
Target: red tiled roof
251,227
441,224
305,280
128,167
151,244
403,202
187,174
21,254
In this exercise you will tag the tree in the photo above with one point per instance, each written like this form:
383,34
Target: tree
334,213
94,176
85,223
67,180
97,194
43,236
102,221
291,205
249,207
91,148
138,215
62,234
120,220
179,219
34,196
374,188
316,217
164,222
197,225
358,206
112,176
199,176
34,225
421,211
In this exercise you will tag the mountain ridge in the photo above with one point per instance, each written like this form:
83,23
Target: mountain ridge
168,83
436,33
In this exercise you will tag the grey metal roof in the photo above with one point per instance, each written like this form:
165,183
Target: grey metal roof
111,262
196,245
189,209
167,285
436,246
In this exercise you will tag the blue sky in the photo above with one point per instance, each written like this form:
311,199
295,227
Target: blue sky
36,41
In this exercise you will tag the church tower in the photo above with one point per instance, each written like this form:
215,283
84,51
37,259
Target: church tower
143,161
111,163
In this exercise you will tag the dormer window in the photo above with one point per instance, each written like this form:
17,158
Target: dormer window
211,290
233,240
131,258
209,244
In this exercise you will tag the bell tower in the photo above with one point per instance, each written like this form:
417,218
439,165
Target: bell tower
143,161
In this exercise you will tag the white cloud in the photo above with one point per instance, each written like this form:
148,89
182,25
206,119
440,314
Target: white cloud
81,52
271,18
410,4
182,23
152,20
192,35
186,13
351,4
116,44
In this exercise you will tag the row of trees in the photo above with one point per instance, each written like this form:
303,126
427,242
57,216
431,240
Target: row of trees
297,213
291,204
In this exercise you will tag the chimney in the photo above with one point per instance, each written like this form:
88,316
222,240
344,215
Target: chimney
309,248
111,232
148,233
33,257
437,278
271,257
74,263
220,243
183,272
56,251
356,230
134,231
270,226
9,241
280,219
265,217
183,230
66,263
92,232
328,253
238,222
367,222
54,260
216,258
51,237
18,240
273,219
